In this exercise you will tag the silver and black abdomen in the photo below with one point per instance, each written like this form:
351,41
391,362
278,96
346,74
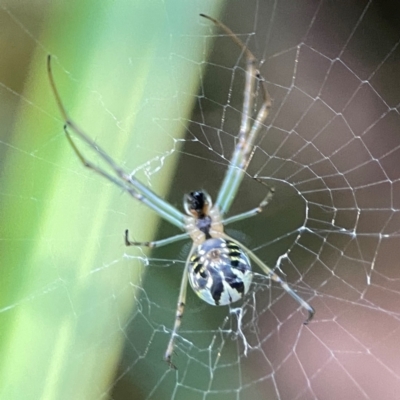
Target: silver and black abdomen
220,272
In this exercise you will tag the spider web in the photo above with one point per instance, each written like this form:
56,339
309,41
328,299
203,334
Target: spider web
330,148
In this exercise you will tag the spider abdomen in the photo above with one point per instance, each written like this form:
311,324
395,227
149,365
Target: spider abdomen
220,272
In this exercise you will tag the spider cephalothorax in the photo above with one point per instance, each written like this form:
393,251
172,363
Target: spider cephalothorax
197,204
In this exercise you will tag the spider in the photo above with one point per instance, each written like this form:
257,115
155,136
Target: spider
218,267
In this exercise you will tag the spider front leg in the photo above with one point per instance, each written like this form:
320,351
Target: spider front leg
127,182
249,128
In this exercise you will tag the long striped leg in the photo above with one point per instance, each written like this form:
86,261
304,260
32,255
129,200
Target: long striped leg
165,210
247,135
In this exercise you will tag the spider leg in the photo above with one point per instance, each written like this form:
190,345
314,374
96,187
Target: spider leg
179,311
268,271
167,211
135,194
156,243
250,213
247,135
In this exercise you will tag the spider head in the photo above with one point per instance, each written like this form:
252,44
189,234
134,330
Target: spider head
197,204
